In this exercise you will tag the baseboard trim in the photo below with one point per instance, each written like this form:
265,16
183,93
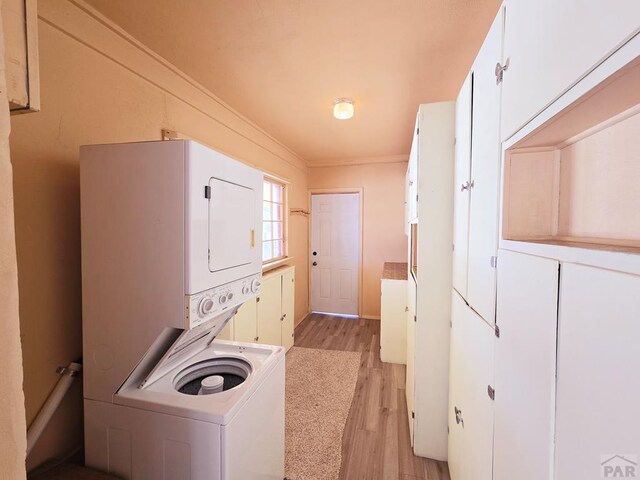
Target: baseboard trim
299,321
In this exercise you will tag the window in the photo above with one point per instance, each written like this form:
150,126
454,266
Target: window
273,220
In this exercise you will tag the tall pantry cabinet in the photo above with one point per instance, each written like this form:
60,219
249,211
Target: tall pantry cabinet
429,279
476,200
543,308
477,192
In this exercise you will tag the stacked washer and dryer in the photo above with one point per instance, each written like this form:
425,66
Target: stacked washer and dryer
171,247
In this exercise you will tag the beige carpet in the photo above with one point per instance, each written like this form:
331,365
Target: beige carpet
320,388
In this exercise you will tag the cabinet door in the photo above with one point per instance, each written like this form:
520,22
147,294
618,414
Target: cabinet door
269,311
525,359
393,325
598,393
413,176
551,45
411,351
461,186
406,202
485,175
288,297
244,323
471,373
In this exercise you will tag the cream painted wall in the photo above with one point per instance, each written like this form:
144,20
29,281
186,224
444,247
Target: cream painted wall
12,421
383,225
100,86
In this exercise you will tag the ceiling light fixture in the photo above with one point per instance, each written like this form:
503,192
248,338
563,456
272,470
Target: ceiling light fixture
343,108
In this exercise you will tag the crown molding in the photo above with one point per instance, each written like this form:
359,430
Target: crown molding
353,161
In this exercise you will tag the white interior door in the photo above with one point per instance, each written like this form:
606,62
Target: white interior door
335,253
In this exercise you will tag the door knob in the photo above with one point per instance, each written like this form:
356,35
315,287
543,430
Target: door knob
315,253
314,263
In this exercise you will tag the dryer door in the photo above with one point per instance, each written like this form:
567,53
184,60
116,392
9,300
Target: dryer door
232,229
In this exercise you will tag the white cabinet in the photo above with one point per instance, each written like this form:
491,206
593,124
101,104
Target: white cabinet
269,311
410,390
566,399
484,185
551,45
393,320
268,318
598,397
428,335
243,326
288,302
470,405
412,176
477,195
525,367
462,176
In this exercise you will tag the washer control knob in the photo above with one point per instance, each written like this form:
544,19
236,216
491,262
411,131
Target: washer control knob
255,285
245,289
223,299
205,306
229,295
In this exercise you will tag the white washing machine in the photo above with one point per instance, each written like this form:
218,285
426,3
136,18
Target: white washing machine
171,236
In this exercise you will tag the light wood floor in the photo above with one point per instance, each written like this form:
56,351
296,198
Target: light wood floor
376,443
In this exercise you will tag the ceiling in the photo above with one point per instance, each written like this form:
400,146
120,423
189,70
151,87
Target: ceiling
281,63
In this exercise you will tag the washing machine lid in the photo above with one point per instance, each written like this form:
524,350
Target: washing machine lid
179,347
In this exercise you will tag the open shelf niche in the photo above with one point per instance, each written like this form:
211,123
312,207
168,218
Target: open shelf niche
576,179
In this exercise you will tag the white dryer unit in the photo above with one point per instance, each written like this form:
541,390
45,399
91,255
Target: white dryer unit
171,235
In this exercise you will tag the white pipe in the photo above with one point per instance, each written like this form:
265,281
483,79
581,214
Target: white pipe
51,405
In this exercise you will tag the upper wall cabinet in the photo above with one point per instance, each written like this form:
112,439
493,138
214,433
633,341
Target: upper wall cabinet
462,174
477,191
20,25
549,46
412,177
484,186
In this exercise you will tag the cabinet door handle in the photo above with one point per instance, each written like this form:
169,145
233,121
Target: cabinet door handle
467,186
499,71
459,419
314,263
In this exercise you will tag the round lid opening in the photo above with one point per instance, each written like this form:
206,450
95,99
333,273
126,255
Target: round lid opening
212,376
